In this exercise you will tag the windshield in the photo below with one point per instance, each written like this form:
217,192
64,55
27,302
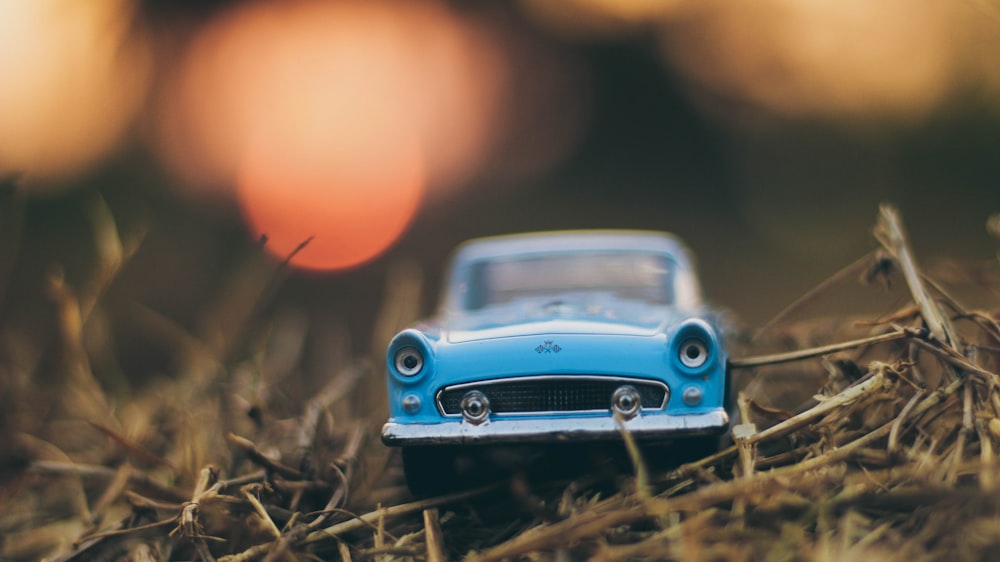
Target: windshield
630,275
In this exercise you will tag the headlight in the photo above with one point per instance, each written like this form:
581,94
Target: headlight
693,353
409,357
408,361
693,347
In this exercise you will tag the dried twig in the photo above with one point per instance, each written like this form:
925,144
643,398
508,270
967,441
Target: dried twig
824,288
135,478
338,387
260,459
251,493
362,521
889,231
849,395
798,355
433,537
188,524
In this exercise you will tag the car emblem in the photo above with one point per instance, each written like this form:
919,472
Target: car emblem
548,347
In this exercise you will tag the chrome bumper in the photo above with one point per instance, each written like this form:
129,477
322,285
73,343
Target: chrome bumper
553,429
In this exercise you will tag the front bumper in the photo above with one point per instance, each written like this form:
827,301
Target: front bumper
569,429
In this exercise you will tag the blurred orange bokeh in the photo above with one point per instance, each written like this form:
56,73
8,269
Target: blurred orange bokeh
333,119
340,167
337,120
851,61
73,75
891,60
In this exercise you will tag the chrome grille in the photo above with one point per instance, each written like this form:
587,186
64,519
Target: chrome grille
569,393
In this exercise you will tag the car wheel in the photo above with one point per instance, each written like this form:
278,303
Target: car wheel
429,470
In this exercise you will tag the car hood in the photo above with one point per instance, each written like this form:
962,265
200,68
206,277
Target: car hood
627,318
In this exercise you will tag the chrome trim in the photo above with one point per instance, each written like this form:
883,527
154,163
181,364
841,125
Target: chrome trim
399,359
693,362
533,378
622,392
553,429
470,401
411,403
692,396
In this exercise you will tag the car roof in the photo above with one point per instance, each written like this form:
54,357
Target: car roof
541,243
573,240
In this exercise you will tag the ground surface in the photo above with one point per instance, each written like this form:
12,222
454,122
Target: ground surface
881,448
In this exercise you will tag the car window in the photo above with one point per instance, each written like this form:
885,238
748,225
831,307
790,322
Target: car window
632,275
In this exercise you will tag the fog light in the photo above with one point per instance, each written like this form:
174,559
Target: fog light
692,396
475,407
626,401
411,403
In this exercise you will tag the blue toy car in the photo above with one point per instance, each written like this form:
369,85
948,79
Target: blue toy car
557,337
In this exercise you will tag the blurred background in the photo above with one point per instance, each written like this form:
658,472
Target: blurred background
176,138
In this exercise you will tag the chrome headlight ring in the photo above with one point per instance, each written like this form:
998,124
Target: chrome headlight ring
408,361
693,353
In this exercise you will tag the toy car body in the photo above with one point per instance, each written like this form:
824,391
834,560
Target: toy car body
561,336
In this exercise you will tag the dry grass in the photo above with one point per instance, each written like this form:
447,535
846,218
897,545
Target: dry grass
894,456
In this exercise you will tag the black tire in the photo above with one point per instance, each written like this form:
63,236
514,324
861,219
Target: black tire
429,471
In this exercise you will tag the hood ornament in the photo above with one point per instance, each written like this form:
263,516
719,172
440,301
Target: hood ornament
548,347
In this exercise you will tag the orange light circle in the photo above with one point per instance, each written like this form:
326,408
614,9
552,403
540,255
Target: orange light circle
351,191
333,146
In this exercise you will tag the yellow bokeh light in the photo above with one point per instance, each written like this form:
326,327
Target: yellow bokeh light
446,74
74,75
851,58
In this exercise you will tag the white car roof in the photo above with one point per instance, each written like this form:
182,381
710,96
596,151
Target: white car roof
688,291
573,240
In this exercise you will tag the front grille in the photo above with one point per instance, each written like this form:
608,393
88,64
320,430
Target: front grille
570,393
